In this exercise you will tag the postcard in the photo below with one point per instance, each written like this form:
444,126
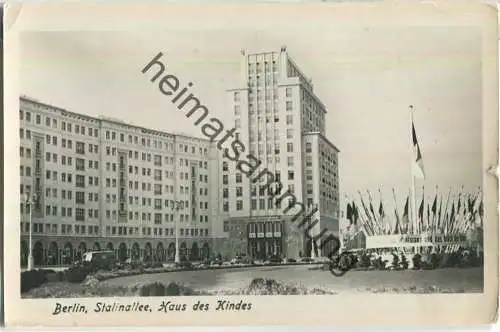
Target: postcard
250,164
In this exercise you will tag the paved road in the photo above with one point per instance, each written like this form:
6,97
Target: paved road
469,280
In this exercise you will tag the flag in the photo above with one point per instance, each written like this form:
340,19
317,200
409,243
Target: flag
381,210
450,222
434,206
355,214
439,221
397,227
406,219
481,211
470,204
372,210
421,210
349,213
428,217
418,166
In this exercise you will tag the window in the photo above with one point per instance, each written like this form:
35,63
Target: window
80,147
238,178
289,133
80,197
80,164
80,214
308,147
288,105
80,181
239,205
289,147
288,92
290,161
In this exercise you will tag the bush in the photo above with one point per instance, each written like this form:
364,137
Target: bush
32,279
247,260
417,261
154,289
55,277
364,261
77,274
183,264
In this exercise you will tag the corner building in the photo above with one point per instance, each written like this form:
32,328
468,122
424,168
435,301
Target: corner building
103,184
281,122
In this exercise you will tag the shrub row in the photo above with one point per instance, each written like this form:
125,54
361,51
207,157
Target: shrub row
256,287
77,274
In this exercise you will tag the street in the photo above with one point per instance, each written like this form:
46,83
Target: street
454,280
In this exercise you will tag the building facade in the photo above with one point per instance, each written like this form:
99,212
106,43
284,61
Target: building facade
281,122
98,183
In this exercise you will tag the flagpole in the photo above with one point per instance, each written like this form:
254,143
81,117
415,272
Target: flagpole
412,193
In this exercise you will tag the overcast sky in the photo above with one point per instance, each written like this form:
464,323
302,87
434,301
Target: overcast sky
367,77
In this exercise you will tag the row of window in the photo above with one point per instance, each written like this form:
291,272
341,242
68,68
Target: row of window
66,212
158,203
93,132
134,185
52,123
146,142
158,218
155,231
257,66
65,229
258,136
239,205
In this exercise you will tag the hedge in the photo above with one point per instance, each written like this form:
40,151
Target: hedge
32,279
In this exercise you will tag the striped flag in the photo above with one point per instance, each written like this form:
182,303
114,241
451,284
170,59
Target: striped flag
418,165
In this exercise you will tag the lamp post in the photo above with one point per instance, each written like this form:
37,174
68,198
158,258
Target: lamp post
29,202
178,205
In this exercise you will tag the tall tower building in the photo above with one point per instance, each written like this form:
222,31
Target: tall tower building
281,122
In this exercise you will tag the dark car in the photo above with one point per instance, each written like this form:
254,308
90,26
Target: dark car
275,259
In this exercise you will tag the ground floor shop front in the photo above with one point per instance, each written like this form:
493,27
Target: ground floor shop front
66,250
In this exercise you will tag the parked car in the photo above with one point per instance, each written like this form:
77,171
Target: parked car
275,259
99,260
184,264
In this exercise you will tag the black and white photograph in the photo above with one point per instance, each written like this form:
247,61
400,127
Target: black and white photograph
196,158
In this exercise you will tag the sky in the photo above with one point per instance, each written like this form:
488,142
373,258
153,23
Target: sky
367,76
